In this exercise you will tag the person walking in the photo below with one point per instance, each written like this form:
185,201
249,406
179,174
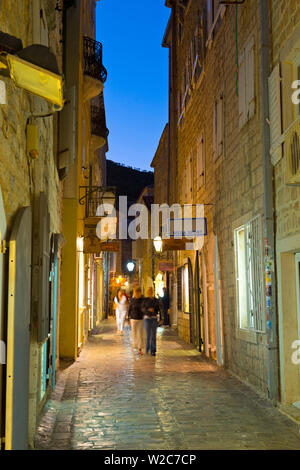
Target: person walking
151,310
165,301
135,316
121,307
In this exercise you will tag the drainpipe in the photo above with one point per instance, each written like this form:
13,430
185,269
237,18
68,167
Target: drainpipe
270,279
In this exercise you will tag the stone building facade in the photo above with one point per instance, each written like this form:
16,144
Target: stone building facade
217,150
82,281
50,156
32,182
284,126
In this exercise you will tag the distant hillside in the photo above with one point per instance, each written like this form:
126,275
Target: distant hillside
129,181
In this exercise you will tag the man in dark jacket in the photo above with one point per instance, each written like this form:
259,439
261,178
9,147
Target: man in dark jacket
151,310
135,316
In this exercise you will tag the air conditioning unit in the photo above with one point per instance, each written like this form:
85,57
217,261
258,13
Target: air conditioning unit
292,155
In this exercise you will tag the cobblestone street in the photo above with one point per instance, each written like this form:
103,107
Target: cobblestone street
111,398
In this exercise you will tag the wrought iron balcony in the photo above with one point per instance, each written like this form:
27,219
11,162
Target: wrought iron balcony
98,122
93,196
92,59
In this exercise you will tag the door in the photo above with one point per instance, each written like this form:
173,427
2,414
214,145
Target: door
54,280
191,299
198,327
297,261
2,323
205,306
218,306
18,335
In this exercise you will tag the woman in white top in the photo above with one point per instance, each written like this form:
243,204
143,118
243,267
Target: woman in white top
121,306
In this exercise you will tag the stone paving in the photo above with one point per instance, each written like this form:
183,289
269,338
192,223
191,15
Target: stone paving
111,398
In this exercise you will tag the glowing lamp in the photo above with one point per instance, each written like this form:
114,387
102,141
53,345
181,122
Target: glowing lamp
158,243
130,266
36,80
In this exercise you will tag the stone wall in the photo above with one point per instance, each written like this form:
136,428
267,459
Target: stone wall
233,183
21,178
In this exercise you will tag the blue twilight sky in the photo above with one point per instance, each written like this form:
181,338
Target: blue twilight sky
136,90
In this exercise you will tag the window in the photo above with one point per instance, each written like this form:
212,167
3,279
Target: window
215,10
218,126
246,84
200,162
187,180
183,289
192,69
249,278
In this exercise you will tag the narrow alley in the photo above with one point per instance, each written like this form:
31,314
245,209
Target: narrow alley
111,398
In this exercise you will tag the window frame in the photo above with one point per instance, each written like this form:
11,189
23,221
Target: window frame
253,279
215,15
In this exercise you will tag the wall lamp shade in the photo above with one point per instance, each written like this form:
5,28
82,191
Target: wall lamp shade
130,266
158,243
35,70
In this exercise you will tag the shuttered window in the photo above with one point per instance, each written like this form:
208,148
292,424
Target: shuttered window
179,289
288,109
218,127
247,83
275,113
200,179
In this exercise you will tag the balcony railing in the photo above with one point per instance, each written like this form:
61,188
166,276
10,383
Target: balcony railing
93,196
92,59
98,122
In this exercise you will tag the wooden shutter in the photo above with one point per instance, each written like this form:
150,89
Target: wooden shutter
242,90
179,289
210,15
275,113
288,107
220,126
215,130
250,79
191,300
200,161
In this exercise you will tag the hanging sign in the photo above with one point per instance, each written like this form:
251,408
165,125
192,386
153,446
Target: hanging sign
166,266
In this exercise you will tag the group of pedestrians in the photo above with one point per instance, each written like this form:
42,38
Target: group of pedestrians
143,315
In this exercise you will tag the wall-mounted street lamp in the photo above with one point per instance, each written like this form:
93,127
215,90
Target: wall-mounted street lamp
35,70
158,244
130,266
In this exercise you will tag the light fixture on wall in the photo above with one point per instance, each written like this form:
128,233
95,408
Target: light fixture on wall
158,244
35,70
130,266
